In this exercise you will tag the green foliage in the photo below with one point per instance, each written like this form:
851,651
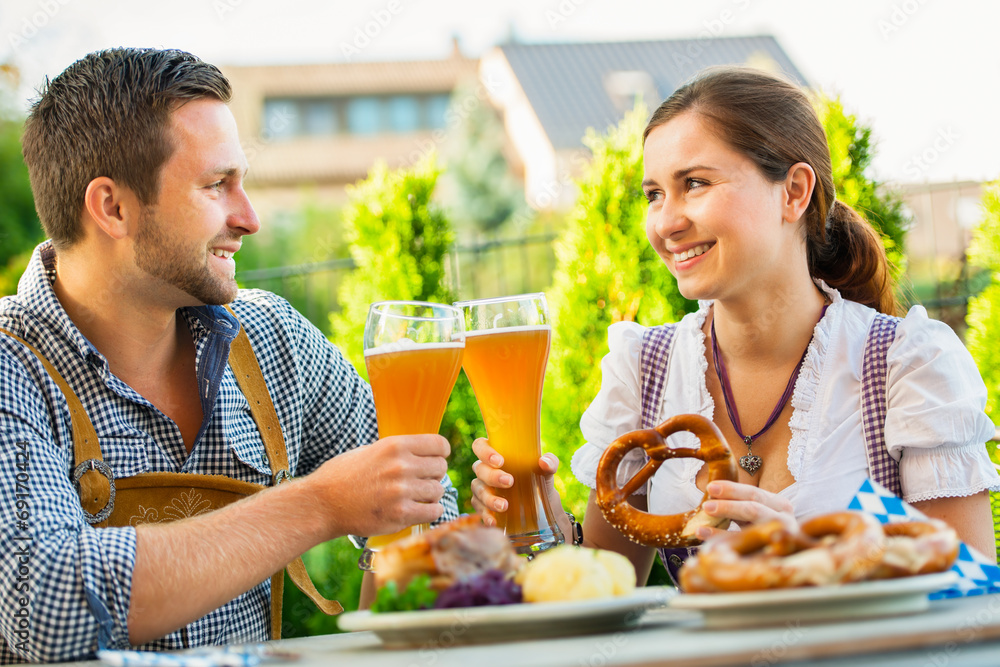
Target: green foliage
418,594
462,423
310,235
20,230
983,315
606,272
482,191
852,150
398,239
984,250
995,506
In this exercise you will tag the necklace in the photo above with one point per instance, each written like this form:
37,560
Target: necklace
751,462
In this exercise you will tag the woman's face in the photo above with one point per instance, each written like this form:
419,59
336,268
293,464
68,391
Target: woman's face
713,218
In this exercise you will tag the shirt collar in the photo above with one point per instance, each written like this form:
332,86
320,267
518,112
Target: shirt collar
37,296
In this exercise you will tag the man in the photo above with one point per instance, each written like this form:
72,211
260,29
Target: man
137,172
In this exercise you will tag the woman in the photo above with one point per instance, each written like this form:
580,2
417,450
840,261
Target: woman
742,211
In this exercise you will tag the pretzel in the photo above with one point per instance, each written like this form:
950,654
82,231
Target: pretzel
855,541
656,530
835,548
751,559
917,547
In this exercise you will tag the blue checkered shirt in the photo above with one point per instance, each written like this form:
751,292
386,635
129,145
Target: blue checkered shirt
65,585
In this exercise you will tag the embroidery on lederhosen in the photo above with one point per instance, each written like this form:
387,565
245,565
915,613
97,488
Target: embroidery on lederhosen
882,468
654,358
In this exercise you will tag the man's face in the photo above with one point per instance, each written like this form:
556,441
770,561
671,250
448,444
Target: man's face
186,241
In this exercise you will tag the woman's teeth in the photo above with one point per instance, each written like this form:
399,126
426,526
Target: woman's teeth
693,252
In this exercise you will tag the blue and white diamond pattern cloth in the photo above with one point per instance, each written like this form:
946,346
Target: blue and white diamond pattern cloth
977,575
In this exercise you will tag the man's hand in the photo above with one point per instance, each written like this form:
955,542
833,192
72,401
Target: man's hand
372,490
385,487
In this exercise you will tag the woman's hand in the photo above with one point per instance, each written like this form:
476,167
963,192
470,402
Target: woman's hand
744,504
490,477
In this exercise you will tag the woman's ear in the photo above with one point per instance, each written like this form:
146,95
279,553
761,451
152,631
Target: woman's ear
110,207
800,181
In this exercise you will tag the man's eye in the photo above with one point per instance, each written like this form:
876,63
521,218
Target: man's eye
693,183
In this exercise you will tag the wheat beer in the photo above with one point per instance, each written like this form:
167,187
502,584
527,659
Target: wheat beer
506,368
411,386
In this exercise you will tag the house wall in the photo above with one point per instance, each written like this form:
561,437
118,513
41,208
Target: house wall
944,215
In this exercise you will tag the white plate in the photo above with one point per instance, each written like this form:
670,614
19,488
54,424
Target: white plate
887,597
446,627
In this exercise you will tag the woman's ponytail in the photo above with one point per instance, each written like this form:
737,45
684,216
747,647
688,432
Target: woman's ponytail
848,255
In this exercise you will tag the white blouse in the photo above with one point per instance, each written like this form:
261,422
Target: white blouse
935,425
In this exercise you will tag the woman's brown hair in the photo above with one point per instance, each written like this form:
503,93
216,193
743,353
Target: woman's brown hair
771,121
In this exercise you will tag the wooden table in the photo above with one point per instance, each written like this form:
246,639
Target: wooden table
952,632
956,632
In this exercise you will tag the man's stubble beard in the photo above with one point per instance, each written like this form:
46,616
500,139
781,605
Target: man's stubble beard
157,254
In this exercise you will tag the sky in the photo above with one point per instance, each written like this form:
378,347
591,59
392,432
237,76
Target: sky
922,73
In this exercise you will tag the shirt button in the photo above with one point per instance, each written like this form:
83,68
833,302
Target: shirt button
675,560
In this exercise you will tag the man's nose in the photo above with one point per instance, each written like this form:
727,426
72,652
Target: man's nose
244,216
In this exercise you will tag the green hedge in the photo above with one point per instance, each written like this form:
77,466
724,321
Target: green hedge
983,315
606,272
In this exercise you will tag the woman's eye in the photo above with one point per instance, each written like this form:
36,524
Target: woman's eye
651,195
694,183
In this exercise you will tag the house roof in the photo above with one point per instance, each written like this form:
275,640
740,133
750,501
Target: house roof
568,85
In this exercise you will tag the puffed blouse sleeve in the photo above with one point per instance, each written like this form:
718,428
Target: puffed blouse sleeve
617,408
935,422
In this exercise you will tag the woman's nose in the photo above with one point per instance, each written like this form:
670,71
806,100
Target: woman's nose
666,219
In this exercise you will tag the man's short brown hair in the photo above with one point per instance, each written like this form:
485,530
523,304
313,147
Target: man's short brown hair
107,115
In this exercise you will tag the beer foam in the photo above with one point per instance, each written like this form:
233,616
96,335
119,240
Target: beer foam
407,345
517,329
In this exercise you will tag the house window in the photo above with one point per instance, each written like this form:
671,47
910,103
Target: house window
404,113
282,119
291,117
364,115
319,118
435,110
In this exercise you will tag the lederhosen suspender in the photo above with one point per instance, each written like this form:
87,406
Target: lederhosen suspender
882,468
107,501
654,359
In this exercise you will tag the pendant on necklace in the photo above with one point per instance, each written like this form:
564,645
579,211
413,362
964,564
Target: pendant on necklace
751,462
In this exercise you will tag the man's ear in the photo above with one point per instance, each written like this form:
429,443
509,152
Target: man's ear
800,181
112,207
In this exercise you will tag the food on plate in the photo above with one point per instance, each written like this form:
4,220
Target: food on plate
917,547
417,594
842,547
492,587
462,560
575,573
674,530
464,563
450,552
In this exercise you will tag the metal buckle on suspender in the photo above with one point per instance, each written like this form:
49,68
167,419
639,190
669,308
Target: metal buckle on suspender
104,469
281,476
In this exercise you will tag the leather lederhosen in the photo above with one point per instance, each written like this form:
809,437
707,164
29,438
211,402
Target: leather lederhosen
166,496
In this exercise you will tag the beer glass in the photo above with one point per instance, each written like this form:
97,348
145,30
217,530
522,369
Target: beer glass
413,352
506,348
